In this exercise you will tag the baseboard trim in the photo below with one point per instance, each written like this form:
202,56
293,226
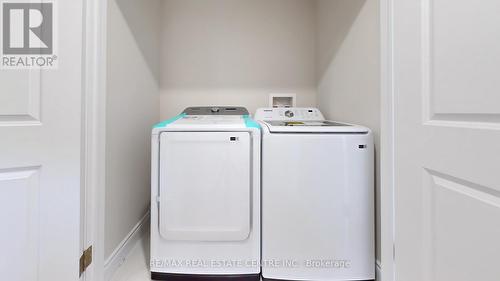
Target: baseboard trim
378,271
119,255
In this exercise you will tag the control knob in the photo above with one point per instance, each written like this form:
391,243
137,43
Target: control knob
289,113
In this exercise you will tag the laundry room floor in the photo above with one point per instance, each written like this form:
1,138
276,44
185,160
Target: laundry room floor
136,266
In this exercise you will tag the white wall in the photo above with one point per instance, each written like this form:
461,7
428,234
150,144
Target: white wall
131,110
349,67
236,52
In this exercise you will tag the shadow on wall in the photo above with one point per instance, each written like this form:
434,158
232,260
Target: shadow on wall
335,19
145,28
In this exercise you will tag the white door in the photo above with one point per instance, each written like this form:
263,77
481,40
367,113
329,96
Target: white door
447,140
40,137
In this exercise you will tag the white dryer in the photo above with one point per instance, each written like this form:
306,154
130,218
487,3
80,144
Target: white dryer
205,196
317,197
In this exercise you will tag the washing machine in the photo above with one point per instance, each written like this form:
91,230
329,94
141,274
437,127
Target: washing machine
317,197
205,196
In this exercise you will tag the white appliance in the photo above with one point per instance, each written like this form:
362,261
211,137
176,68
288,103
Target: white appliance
317,197
205,196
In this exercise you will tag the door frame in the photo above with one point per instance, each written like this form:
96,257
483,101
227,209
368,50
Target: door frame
388,98
94,135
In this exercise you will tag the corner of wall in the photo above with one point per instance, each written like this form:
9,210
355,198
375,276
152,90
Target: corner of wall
132,107
119,255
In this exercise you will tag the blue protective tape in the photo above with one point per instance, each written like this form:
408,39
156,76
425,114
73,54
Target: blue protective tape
169,121
250,123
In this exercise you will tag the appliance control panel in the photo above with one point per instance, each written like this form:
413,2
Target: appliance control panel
291,113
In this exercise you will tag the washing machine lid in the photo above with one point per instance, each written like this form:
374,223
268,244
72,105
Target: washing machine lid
312,126
302,120
214,121
209,118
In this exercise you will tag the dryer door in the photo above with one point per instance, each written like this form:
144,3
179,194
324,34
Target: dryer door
204,192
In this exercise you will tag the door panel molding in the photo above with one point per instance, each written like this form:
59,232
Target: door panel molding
20,195
471,118
32,115
452,208
465,120
476,191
